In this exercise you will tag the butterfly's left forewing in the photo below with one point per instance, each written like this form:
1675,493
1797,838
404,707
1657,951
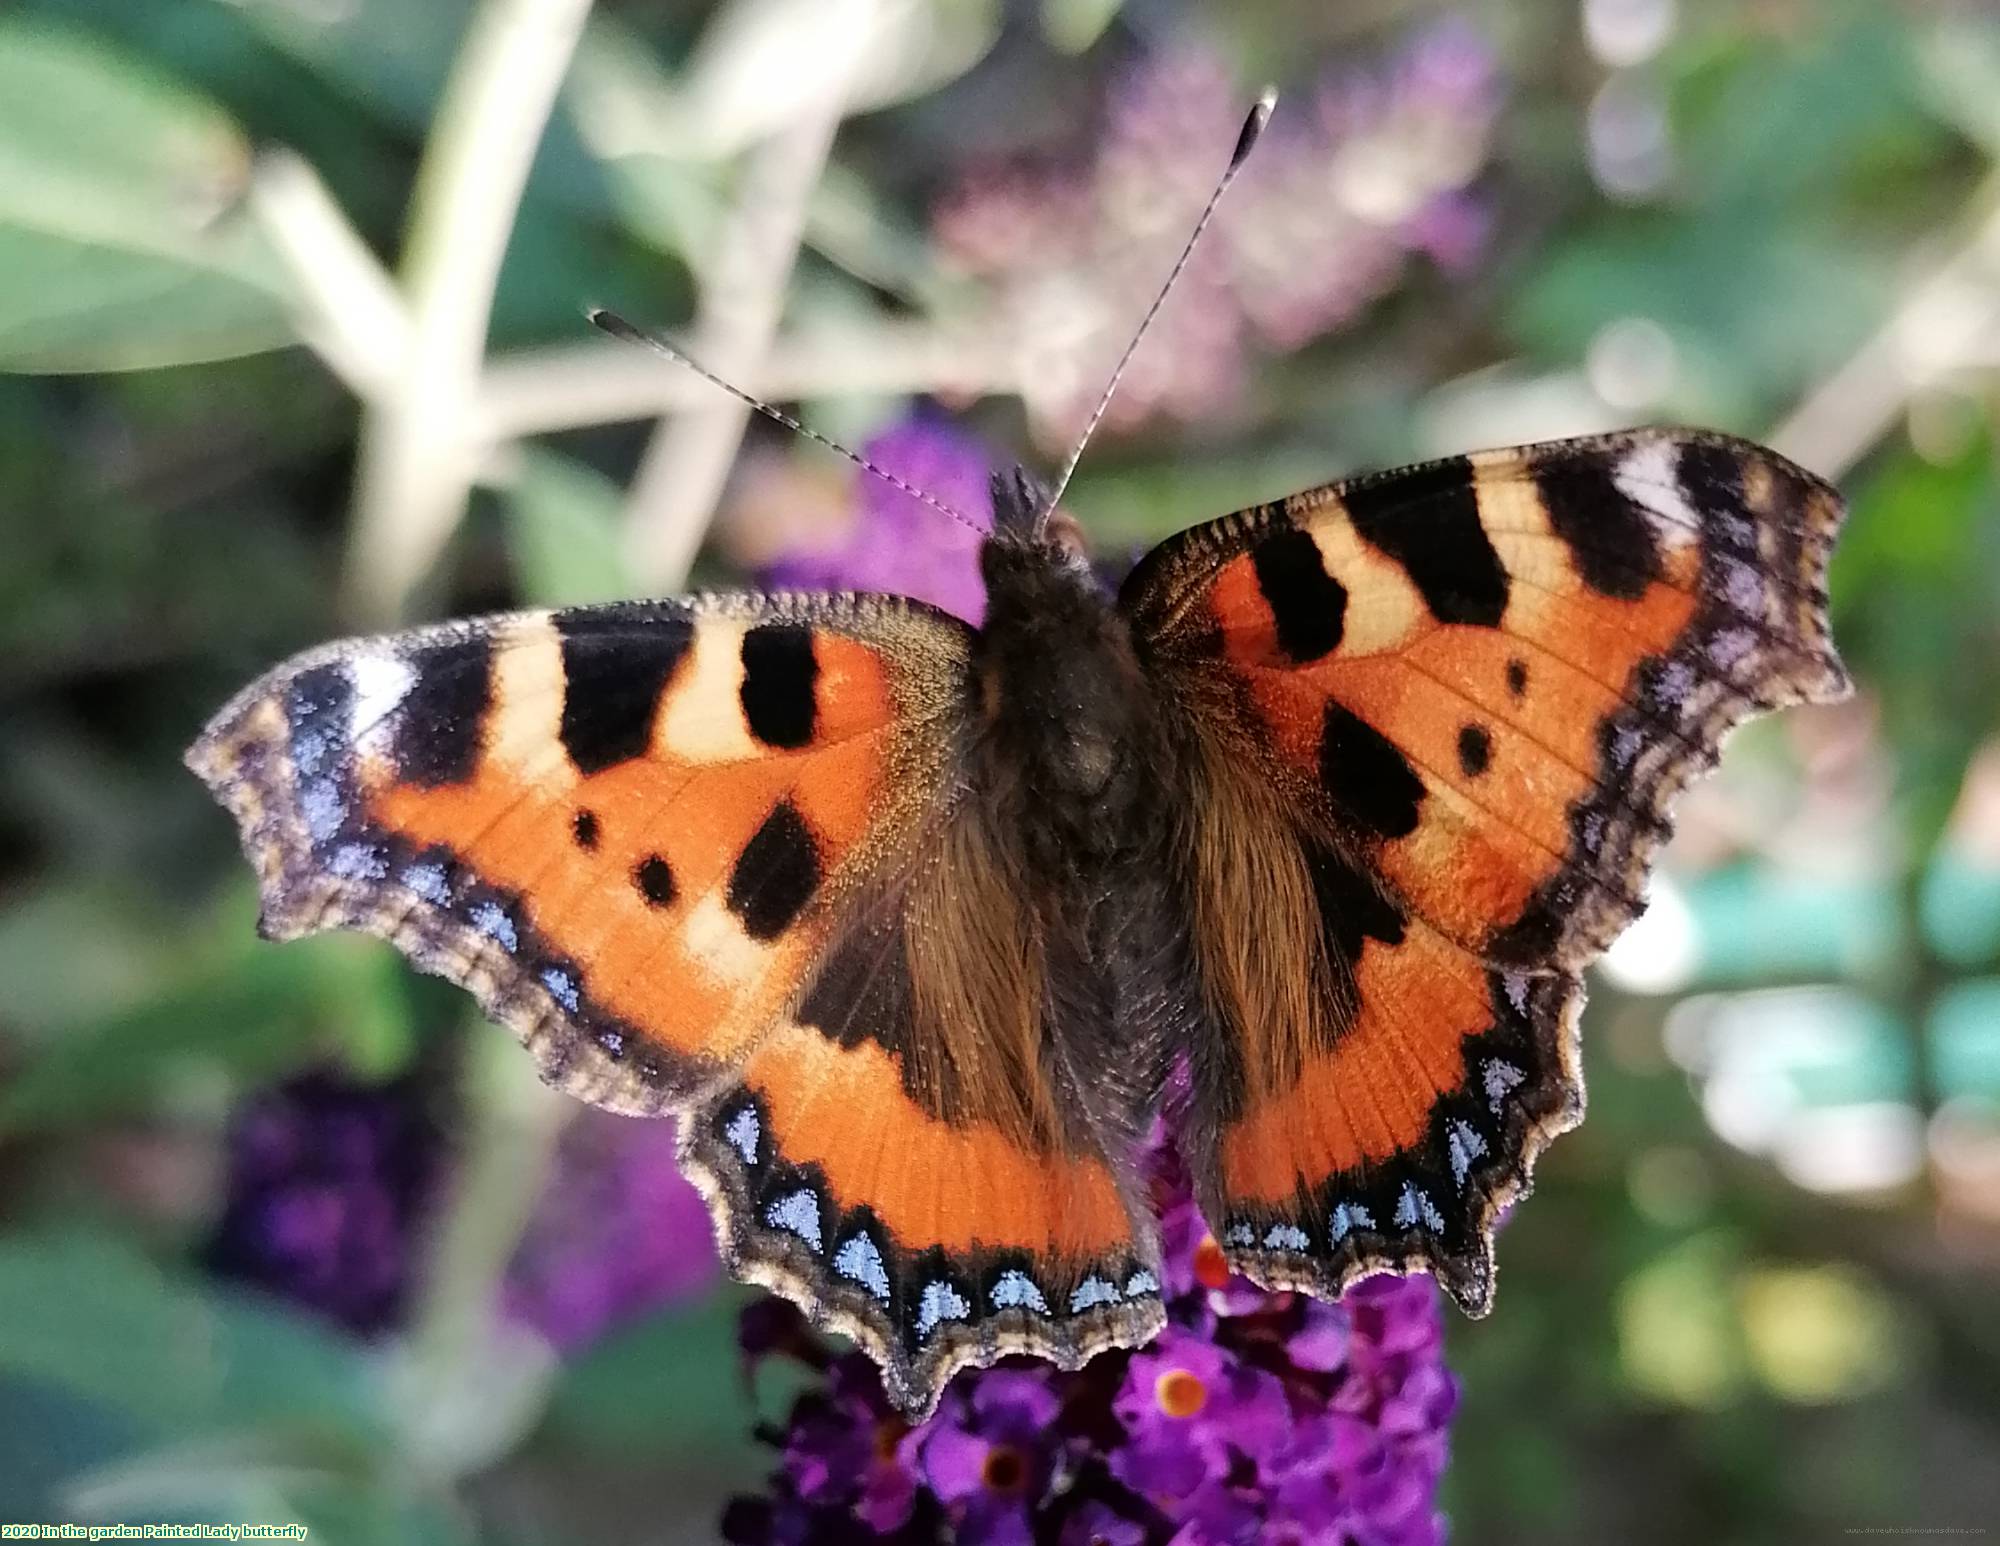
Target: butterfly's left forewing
1434,724
568,811
716,857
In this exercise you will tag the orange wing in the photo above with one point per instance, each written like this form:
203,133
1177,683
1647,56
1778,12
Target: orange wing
1437,719
674,847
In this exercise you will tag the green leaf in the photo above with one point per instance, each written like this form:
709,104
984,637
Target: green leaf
251,1016
1808,114
97,1320
119,232
1913,589
1960,56
73,950
394,59
562,530
91,1316
1755,307
1071,26
668,1384
208,1400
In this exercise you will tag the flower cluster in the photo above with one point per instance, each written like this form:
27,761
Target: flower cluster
327,1183
1253,1417
1352,179
330,1183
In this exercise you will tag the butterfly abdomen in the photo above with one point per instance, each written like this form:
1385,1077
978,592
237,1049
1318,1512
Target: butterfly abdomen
1077,783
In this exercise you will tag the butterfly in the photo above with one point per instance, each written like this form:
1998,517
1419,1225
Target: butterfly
912,923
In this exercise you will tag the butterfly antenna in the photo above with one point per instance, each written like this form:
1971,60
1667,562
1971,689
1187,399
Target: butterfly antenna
610,322
1246,141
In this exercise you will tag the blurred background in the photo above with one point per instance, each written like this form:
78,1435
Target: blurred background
291,323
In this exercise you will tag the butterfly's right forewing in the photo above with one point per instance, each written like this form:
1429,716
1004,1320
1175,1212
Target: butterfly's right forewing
1435,721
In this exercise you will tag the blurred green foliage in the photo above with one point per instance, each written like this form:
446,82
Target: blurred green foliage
1691,1345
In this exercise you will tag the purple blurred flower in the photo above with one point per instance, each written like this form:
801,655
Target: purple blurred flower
330,1182
1354,177
892,542
619,1232
326,1182
1252,1417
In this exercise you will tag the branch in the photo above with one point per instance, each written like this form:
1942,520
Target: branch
539,391
1946,324
681,475
352,315
418,452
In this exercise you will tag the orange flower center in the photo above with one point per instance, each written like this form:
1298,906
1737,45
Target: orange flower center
1211,1270
1180,1393
888,1434
1006,1470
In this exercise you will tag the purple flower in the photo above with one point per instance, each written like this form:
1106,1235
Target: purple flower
1253,1417
1355,176
326,1182
618,1232
984,1455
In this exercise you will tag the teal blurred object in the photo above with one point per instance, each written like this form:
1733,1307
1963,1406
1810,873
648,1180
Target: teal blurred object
1959,907
1755,921
1964,1032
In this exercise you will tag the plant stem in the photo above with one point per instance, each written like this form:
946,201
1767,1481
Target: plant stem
572,386
352,315
419,449
1946,323
681,475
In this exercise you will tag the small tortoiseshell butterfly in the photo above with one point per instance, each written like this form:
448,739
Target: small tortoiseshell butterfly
912,921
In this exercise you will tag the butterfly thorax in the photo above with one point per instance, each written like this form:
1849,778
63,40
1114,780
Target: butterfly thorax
1070,732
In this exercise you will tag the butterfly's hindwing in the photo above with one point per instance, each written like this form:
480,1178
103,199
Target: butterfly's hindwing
1396,1146
1444,713
943,1199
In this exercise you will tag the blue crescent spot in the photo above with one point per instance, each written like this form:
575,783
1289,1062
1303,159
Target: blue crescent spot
940,1302
491,919
428,881
612,1042
1286,1237
1465,1146
357,861
309,748
796,1213
561,986
1240,1234
1016,1290
743,1131
1090,1293
858,1259
1499,1078
1415,1205
1347,1216
324,809
1730,646
1141,1283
